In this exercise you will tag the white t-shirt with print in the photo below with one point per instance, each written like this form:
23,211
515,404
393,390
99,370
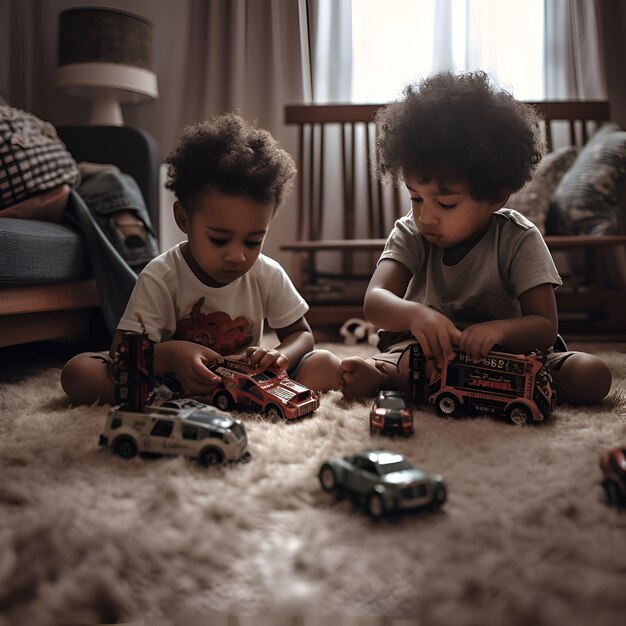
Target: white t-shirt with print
170,302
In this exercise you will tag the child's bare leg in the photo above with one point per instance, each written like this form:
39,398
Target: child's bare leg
363,378
320,371
86,379
580,378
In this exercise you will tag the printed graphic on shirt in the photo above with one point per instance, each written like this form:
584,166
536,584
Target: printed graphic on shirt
215,330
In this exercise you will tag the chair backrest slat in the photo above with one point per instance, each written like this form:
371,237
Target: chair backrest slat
320,168
301,208
371,227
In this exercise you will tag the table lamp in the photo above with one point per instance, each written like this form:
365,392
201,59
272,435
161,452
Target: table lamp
107,55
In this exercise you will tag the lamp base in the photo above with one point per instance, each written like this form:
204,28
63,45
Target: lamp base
106,110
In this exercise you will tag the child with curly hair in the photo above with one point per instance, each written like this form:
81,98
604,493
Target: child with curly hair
461,269
209,295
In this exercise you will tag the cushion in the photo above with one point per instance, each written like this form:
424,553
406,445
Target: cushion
33,160
586,201
533,200
41,252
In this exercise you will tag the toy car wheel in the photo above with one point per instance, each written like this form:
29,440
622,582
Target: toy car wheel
211,456
273,412
224,401
376,505
447,404
519,414
328,479
441,495
126,447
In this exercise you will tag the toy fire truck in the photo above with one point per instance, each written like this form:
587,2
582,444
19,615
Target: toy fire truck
516,386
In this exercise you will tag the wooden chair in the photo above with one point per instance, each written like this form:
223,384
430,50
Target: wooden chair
341,231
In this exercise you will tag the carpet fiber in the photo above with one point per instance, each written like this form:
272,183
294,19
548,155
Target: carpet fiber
526,536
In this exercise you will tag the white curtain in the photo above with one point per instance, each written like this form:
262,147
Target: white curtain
330,32
573,60
231,55
538,49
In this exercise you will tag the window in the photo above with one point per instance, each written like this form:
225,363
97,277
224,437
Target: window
365,465
190,431
162,428
249,387
400,41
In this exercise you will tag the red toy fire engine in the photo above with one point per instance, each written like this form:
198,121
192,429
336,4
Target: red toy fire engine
516,386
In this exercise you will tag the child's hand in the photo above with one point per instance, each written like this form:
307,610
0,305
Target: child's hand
189,361
477,340
435,333
264,358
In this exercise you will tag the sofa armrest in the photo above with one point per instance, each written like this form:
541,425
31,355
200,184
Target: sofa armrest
133,150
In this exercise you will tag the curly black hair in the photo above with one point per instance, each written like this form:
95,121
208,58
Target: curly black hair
460,127
229,154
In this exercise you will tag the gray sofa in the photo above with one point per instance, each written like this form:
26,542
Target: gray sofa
47,288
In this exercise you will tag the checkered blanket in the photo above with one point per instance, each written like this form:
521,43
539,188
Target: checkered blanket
33,160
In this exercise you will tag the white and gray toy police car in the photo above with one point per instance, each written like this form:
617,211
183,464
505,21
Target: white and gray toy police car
180,426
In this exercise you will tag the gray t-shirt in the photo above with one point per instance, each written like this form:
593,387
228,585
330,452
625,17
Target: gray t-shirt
509,259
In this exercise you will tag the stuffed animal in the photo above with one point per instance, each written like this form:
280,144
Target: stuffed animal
356,329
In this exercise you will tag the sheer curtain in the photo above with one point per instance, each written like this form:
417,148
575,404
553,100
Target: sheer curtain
406,40
330,33
573,61
538,49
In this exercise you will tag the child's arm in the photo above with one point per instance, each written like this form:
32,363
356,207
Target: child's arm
386,308
537,328
295,341
188,361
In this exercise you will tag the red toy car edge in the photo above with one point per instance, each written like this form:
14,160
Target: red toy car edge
249,389
613,466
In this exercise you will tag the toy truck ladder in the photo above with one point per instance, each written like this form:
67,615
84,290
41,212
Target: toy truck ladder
134,371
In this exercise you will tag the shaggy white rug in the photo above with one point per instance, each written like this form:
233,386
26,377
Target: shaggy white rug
526,536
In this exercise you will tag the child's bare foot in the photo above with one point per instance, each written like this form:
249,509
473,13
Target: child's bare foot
363,379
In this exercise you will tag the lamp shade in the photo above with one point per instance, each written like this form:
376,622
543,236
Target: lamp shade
106,54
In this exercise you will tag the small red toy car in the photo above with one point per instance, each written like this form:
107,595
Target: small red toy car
248,389
391,414
613,466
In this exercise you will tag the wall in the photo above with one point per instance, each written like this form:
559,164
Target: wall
45,100
613,28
